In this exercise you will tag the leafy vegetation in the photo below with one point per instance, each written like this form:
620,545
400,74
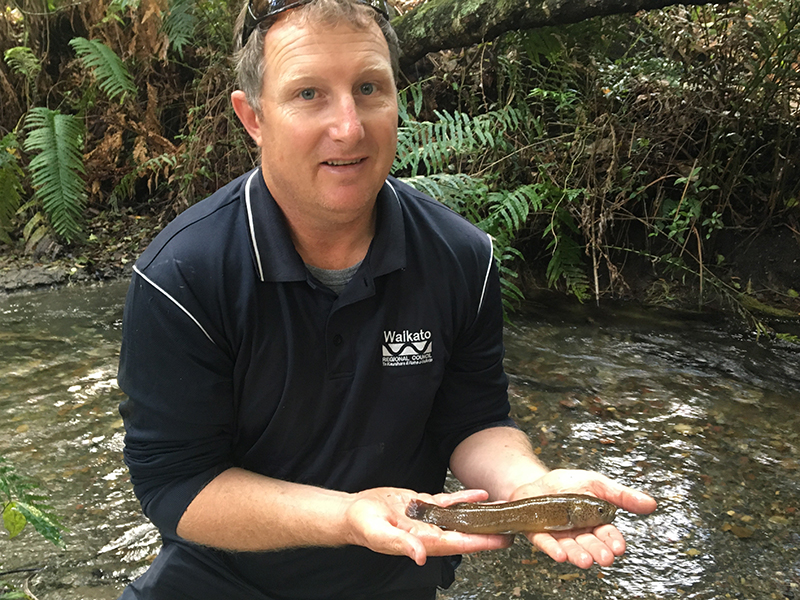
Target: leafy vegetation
647,141
658,139
112,75
57,167
11,176
21,506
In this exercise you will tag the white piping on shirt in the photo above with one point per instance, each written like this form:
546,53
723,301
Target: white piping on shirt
488,270
174,301
394,191
250,222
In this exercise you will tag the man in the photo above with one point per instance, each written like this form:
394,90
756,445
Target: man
311,347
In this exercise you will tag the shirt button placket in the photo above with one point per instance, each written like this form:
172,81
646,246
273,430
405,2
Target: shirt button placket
339,350
337,360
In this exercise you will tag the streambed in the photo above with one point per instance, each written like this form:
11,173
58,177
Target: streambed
703,417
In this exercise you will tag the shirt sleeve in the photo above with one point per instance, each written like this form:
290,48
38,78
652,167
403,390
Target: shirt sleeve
179,411
474,391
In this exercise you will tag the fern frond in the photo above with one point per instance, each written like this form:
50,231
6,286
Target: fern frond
512,295
22,60
437,144
425,149
10,185
57,168
35,229
123,5
463,193
124,189
566,260
112,75
179,23
508,210
542,44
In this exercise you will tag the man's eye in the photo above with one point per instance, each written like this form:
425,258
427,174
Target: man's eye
367,88
308,94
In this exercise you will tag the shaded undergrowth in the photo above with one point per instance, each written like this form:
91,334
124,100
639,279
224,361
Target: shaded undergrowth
644,140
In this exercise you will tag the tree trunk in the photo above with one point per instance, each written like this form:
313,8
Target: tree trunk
442,24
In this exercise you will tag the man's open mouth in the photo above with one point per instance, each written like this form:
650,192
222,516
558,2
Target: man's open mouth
343,163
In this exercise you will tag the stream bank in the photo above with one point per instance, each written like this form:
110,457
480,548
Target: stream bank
760,272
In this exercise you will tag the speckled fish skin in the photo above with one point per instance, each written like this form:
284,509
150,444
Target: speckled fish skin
558,512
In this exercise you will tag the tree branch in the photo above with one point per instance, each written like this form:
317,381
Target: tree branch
443,24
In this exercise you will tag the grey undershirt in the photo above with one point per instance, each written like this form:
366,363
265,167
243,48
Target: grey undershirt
336,280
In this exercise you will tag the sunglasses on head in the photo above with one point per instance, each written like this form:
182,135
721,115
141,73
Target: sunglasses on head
270,8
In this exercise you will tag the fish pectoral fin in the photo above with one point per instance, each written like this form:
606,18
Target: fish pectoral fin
558,527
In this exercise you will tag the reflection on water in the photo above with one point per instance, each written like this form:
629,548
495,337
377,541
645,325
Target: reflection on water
705,420
59,424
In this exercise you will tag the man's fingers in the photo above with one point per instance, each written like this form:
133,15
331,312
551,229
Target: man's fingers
384,537
412,547
582,548
461,496
439,542
612,538
563,549
379,522
549,545
576,553
623,496
591,551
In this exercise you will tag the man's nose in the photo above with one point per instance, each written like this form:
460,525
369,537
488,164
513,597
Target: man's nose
347,125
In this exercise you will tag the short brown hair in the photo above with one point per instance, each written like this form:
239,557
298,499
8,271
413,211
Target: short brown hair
249,60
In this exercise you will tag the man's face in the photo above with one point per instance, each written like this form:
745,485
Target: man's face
329,119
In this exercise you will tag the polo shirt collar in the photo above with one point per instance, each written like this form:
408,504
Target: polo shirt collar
274,255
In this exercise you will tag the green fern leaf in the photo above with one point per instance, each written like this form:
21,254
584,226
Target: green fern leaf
22,60
515,210
464,194
57,168
124,189
112,75
542,43
454,135
10,185
565,262
123,5
426,185
179,24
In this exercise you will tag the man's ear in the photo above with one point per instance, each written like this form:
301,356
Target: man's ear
246,115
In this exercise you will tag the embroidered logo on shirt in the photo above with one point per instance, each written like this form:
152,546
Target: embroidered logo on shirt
403,348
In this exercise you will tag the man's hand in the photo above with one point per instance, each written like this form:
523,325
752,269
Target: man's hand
377,519
584,547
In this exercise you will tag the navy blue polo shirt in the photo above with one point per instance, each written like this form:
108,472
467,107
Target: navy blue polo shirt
233,354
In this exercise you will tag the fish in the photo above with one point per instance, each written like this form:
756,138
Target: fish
557,512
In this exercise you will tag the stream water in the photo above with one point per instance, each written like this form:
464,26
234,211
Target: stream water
702,417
